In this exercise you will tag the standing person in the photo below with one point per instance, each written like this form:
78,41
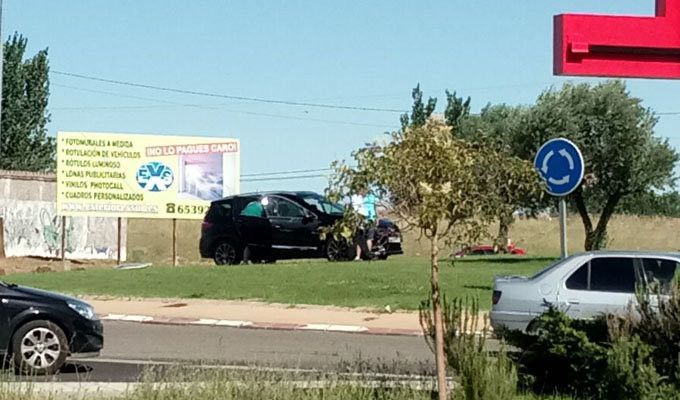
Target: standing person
364,203
371,218
357,201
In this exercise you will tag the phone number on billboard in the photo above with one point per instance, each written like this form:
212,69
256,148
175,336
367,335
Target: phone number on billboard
172,208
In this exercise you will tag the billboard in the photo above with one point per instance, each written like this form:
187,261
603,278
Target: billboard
143,176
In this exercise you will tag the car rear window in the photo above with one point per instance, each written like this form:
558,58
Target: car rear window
579,279
551,267
219,211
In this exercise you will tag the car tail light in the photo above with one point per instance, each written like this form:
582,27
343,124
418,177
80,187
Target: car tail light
496,297
206,225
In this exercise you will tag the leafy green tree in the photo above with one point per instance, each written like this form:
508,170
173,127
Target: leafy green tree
24,144
440,186
651,203
616,135
456,110
496,126
420,111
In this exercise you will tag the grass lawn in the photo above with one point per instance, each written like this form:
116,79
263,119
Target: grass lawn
401,282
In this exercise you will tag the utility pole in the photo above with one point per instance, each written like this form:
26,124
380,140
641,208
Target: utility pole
2,61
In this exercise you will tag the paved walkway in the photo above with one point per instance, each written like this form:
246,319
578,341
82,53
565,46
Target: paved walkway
256,315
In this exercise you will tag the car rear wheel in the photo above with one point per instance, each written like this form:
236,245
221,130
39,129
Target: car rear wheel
535,327
39,348
226,253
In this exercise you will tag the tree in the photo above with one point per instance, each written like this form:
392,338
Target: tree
496,126
652,204
443,187
456,110
24,144
616,135
420,111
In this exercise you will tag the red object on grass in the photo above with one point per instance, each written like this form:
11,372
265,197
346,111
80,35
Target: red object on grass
619,46
485,250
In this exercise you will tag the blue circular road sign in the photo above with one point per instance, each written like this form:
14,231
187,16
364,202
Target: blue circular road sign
560,163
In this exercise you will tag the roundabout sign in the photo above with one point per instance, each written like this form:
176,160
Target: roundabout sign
560,164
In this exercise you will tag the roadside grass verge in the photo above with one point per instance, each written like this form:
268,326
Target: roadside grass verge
400,282
188,384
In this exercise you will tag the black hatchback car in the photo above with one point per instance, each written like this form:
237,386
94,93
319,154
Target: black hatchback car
39,329
282,225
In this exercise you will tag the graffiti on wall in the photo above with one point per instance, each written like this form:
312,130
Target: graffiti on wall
32,228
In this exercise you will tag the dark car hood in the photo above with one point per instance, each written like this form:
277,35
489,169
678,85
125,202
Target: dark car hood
37,294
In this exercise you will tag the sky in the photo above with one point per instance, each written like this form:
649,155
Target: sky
366,54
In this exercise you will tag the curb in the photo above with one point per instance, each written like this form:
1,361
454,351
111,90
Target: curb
145,319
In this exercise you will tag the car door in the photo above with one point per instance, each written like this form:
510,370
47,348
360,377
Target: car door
4,319
252,224
601,285
291,226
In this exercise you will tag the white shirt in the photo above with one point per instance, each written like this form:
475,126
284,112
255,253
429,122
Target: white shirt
358,204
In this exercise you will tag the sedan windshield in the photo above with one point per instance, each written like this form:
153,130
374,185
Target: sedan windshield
322,204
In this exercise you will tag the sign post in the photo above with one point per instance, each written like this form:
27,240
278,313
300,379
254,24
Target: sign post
560,164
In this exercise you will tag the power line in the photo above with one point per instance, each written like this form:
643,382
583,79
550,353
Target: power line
201,106
284,178
255,99
300,171
130,96
95,108
226,96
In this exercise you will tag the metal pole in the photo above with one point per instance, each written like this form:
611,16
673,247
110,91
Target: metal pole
174,242
120,224
2,238
63,238
563,228
2,58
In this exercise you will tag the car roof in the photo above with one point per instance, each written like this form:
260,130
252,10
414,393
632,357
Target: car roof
631,253
270,193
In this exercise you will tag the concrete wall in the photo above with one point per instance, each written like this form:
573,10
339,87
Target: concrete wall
32,228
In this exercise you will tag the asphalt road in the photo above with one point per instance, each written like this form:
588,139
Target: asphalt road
131,347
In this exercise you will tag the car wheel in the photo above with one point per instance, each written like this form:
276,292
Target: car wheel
383,257
337,250
39,348
535,327
227,254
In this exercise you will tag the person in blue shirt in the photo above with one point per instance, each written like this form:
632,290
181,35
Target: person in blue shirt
364,204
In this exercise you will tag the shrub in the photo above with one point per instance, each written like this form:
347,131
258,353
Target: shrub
479,375
631,374
613,357
658,324
561,357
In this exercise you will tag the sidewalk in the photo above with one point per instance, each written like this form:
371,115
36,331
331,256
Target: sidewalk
254,315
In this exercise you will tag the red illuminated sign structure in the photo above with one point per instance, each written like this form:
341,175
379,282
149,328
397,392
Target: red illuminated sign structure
619,46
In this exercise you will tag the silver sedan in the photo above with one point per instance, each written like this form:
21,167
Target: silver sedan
583,286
